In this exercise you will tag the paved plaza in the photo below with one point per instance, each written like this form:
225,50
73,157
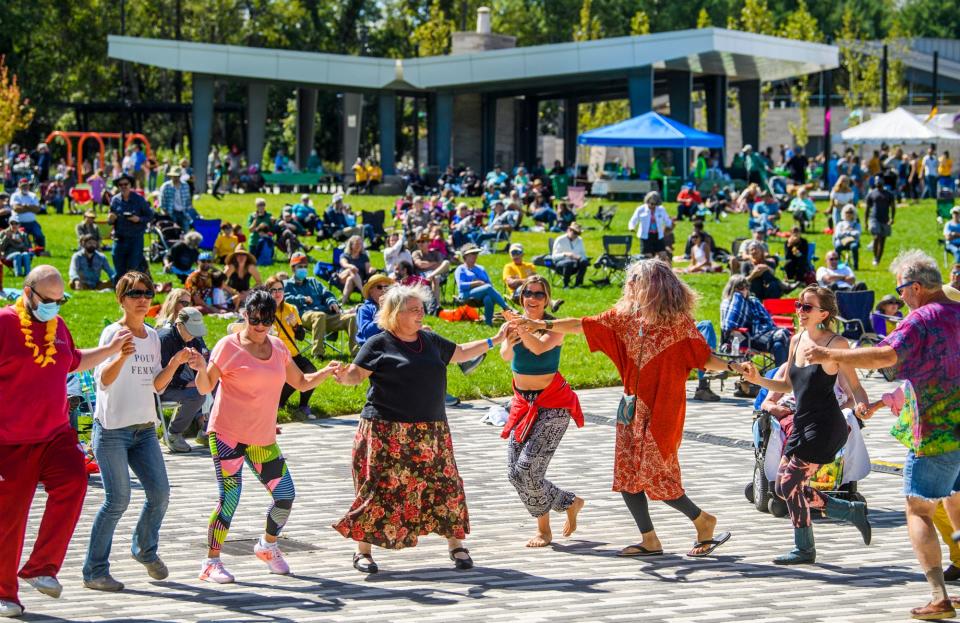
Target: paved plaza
576,579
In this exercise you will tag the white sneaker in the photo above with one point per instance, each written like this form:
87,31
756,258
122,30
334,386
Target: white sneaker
46,584
272,555
10,609
212,570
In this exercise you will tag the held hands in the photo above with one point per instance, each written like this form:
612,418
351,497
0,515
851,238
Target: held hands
748,371
196,361
865,411
182,357
331,369
122,343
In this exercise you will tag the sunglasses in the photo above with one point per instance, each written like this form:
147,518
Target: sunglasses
903,286
265,322
123,185
138,294
806,307
43,299
273,290
515,253
530,294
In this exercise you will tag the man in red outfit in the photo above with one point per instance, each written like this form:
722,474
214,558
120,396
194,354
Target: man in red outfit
688,201
37,444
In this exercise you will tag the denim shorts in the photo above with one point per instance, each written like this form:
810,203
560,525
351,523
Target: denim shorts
931,477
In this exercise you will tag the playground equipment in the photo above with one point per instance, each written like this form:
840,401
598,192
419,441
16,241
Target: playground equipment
97,136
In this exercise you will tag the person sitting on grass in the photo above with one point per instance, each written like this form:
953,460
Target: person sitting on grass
838,277
373,291
200,284
318,307
803,209
765,213
700,254
15,248
183,254
240,268
305,214
395,252
688,201
226,242
430,263
717,202
88,227
259,217
87,265
759,272
474,284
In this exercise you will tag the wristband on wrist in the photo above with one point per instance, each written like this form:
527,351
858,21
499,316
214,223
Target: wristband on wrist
489,343
730,366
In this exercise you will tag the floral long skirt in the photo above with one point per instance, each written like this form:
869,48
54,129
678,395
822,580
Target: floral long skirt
407,485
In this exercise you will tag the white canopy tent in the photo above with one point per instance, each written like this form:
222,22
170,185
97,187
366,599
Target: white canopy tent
897,127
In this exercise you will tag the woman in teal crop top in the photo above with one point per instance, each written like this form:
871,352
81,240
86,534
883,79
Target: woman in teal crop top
535,359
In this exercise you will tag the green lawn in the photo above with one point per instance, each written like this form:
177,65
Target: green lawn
87,312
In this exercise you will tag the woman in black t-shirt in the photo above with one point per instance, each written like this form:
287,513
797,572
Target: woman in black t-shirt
404,471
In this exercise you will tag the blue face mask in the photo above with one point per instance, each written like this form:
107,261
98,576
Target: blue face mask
45,312
300,274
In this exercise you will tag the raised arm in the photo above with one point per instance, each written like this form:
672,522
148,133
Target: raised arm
472,350
351,374
163,379
305,382
563,325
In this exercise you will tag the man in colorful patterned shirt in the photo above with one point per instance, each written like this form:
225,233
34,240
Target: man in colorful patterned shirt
923,350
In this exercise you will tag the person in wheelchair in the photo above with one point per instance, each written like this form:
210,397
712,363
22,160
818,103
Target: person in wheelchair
739,309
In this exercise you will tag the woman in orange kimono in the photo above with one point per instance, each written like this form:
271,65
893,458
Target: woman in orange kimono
651,337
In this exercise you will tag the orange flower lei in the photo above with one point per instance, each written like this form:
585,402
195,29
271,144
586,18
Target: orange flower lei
26,324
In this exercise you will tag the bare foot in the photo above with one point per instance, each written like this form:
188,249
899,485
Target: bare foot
570,526
705,525
541,540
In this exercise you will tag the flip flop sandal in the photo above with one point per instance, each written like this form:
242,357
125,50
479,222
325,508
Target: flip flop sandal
713,544
641,551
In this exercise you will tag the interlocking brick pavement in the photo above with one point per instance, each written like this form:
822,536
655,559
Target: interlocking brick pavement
576,579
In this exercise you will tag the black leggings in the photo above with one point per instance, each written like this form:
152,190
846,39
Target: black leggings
306,366
637,503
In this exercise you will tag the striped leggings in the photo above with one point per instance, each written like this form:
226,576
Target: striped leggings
270,468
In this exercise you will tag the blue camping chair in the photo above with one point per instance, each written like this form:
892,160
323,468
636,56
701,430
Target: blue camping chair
854,317
328,270
209,229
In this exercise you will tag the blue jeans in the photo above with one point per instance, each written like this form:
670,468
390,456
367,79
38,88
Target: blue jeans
127,255
705,327
545,215
929,187
181,218
931,477
489,296
33,229
118,451
21,262
776,342
952,247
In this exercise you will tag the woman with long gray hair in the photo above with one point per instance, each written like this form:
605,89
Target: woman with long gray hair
651,337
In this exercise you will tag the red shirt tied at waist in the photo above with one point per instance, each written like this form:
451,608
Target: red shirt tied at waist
556,395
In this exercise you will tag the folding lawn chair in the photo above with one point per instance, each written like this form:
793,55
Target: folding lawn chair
612,264
209,229
782,311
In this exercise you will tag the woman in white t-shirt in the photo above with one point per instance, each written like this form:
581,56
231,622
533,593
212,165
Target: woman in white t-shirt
124,437
841,194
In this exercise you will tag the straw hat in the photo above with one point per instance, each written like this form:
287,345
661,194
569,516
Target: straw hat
251,258
469,249
374,280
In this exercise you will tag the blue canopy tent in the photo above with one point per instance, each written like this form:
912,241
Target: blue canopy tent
651,130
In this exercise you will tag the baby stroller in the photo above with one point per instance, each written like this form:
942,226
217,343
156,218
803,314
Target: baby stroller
163,233
81,397
836,479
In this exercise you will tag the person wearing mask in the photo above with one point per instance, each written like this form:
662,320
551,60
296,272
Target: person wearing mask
881,212
129,214
570,256
186,330
290,330
406,367
922,351
652,224
318,307
15,248
37,443
474,284
175,198
124,436
251,366
182,256
87,265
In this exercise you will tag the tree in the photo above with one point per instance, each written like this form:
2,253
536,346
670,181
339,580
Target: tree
588,28
433,36
897,47
862,70
801,25
640,23
15,113
703,19
756,16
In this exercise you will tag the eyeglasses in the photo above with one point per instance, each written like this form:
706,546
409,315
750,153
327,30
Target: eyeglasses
806,307
138,294
43,299
275,290
123,185
903,286
266,322
534,294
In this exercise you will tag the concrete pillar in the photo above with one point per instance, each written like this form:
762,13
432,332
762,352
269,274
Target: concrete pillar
387,113
680,91
715,96
306,124
750,112
640,94
526,131
256,121
352,121
488,134
570,119
468,130
202,122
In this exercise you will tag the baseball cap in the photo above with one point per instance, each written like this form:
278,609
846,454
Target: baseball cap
192,321
516,247
206,256
297,258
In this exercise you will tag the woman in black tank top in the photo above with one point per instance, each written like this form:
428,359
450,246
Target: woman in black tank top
819,427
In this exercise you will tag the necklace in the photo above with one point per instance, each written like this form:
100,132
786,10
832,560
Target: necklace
45,358
418,349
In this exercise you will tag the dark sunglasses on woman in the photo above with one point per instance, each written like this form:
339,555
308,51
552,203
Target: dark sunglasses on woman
139,294
805,307
530,294
266,322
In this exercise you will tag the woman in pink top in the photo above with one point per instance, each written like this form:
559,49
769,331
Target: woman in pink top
251,367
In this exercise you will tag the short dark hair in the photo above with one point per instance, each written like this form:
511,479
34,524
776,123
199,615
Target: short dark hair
261,303
84,239
130,279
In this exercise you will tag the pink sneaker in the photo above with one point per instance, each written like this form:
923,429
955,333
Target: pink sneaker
212,570
273,557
